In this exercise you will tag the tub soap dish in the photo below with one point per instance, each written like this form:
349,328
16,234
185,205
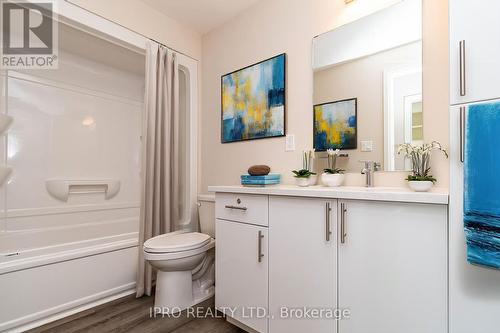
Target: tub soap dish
62,188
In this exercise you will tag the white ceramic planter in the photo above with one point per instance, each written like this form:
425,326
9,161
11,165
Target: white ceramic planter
420,186
302,182
313,179
332,180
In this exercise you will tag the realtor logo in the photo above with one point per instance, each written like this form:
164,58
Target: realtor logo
29,35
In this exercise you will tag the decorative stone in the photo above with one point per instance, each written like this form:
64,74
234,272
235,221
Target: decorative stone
259,170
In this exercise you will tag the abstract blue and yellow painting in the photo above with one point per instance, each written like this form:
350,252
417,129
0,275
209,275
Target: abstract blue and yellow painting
253,101
335,125
482,185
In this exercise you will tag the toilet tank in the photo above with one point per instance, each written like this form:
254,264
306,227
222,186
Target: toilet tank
206,212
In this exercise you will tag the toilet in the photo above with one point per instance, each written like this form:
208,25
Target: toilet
185,263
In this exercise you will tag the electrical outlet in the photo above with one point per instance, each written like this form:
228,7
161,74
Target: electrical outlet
290,142
367,146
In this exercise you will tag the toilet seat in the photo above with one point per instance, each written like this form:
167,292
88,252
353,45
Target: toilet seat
176,242
152,256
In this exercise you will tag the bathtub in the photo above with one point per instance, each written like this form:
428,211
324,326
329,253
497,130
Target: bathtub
44,271
82,122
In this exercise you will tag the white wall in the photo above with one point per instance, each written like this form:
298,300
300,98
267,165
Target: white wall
275,26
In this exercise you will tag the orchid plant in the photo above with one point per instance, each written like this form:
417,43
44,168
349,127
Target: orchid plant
307,160
332,161
420,157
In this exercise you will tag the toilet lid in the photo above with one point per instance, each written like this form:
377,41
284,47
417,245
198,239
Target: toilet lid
176,242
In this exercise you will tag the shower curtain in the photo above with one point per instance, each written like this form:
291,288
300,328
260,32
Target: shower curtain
160,153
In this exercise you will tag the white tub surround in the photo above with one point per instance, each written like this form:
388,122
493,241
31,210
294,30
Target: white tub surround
397,194
70,209
381,253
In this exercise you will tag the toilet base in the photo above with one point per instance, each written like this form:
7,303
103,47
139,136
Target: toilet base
183,279
176,291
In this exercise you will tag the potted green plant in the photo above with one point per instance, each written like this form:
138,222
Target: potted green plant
302,177
332,176
305,177
420,179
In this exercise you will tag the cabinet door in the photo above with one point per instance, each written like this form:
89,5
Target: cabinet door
476,23
241,289
474,290
302,263
393,267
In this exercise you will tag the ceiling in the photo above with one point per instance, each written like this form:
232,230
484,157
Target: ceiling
200,15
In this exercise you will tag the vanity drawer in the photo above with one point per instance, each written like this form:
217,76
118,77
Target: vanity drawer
246,208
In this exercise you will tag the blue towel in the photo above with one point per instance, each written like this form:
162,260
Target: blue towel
482,184
270,179
271,176
260,182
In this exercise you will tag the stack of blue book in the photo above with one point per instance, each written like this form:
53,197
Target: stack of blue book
270,179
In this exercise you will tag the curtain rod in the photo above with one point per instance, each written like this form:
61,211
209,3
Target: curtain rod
135,32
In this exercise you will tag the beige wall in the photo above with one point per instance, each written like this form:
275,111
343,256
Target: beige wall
275,26
139,17
363,79
436,82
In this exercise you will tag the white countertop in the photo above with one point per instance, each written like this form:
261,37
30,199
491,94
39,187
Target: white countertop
399,194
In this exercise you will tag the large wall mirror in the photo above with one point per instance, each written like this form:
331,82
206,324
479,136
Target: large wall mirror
368,87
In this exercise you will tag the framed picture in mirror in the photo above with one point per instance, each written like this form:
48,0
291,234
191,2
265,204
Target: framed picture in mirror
335,125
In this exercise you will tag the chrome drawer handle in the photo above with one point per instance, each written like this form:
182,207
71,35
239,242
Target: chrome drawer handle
235,207
343,233
463,87
259,254
328,229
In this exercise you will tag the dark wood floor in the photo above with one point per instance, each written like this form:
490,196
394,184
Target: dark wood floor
133,315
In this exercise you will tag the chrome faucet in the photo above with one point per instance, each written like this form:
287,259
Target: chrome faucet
368,170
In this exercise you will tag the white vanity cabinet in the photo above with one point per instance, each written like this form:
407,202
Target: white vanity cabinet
392,267
241,291
302,262
384,261
474,50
